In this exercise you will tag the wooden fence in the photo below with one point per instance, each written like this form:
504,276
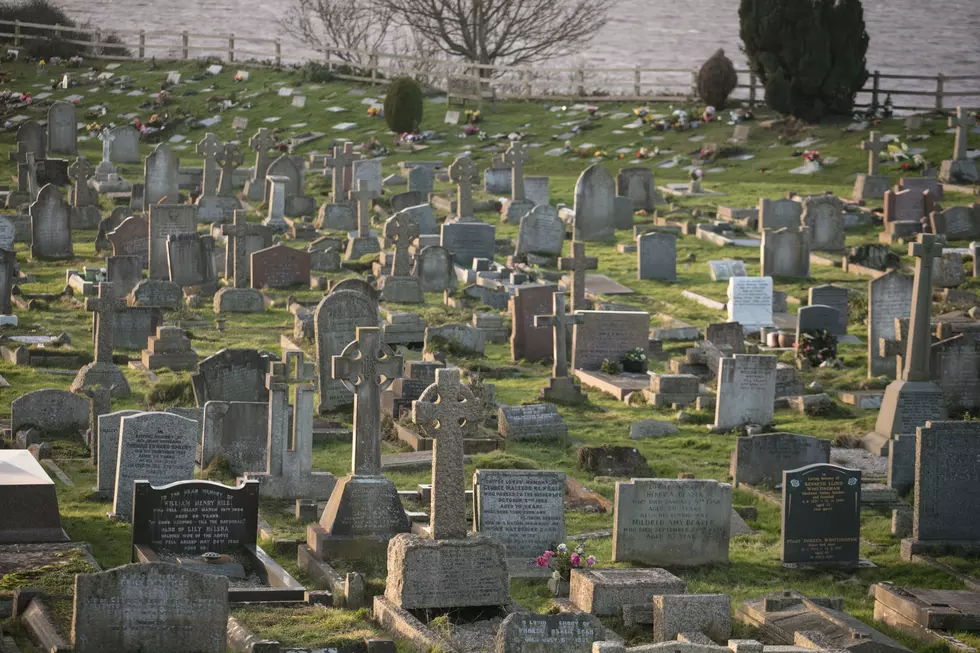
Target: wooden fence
639,84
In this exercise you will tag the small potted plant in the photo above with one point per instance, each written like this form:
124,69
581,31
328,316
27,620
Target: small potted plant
561,561
635,361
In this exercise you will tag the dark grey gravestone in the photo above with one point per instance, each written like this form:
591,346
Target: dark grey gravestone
531,422
50,410
835,297
763,458
946,480
232,375
817,318
522,509
821,521
901,462
557,633
237,431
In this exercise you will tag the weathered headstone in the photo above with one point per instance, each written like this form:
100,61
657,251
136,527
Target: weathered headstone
594,193
231,375
161,172
837,298
889,298
50,225
468,240
62,128
779,214
124,144
824,216
577,264
164,221
786,252
238,432
541,232
656,256
107,444
434,268
746,391
280,266
558,633
762,458
336,320
522,509
608,335
637,183
961,169
526,341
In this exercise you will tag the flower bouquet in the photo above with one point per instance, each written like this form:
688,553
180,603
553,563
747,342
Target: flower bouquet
708,153
816,346
561,561
375,112
812,160
472,116
696,175
239,77
635,361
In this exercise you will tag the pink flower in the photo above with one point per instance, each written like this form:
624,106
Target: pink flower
590,561
548,555
542,561
576,560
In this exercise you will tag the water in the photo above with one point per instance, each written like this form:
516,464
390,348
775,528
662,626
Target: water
907,36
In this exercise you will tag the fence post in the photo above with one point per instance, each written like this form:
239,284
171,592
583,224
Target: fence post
373,62
278,53
940,83
694,83
57,32
231,48
580,75
142,45
751,90
326,55
636,81
185,44
16,33
875,86
96,47
527,84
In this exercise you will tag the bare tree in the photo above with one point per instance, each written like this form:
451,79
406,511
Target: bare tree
510,32
342,24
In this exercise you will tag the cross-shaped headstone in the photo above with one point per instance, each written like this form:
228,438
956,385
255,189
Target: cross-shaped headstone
20,156
230,158
105,307
559,321
81,170
895,348
106,136
961,122
209,148
364,196
261,142
293,371
31,169
366,367
402,230
516,157
925,250
342,163
577,265
237,234
463,173
444,409
873,146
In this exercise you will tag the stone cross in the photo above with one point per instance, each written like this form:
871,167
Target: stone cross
20,156
559,321
444,409
403,230
463,173
261,143
237,234
230,158
578,264
342,162
873,146
105,167
209,148
961,122
516,157
366,367
293,371
364,196
100,403
925,250
105,308
80,170
31,169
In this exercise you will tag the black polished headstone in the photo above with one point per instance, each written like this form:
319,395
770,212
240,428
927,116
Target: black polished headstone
821,522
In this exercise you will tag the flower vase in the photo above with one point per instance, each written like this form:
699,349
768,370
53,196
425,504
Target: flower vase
695,187
558,587
811,167
635,367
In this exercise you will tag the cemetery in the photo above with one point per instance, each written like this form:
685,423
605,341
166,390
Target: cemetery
530,376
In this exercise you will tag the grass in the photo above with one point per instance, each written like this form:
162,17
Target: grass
754,568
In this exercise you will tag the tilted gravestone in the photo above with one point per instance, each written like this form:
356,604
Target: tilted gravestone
108,450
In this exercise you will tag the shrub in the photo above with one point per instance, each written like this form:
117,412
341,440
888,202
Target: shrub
808,54
403,106
46,45
716,80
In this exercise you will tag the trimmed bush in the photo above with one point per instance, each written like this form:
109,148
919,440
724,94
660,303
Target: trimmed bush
808,54
716,80
403,105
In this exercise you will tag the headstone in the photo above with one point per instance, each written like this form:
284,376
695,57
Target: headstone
497,181
604,592
161,172
238,432
463,337
421,180
103,371
109,425
537,190
637,183
50,411
62,128
468,240
401,286
961,169
750,302
762,459
190,260
709,615
169,348
463,173
157,447
726,269
165,221
340,162
30,513
131,238
594,193
956,362
526,341
50,226
231,375
8,274
156,293
908,206
363,241
656,256
434,268
558,633
296,203
531,422
608,335
541,232
370,172
824,216
817,318
957,222
522,509
150,608
786,252
947,270
280,266
34,137
746,391
837,298
889,298
561,386
422,215
336,320
821,515
672,522
137,323
261,143
124,144
779,214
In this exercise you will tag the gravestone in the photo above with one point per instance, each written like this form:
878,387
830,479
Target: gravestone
30,503
961,169
131,238
421,214
124,145
463,337
871,186
541,232
337,317
497,181
157,447
522,509
608,335
821,515
837,298
195,517
561,387
161,172
779,214
238,432
50,411
656,256
463,173
231,375
340,163
363,241
190,261
750,302
369,171
762,459
786,252
134,324
531,422
817,318
604,592
468,240
595,191
280,266
889,298
150,608
296,204
34,137
691,615
824,216
557,633
165,221
746,391
156,293
957,222
434,269
421,180
907,206
401,201
50,226
637,183
275,221
62,128
726,269
672,522
526,341
947,270
103,371
401,286
124,272
261,143
107,455
169,348
956,362
537,190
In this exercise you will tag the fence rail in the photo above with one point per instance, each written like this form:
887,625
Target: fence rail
907,92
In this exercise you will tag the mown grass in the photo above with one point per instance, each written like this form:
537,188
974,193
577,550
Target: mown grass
754,569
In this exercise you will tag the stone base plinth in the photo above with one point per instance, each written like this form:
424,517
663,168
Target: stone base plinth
239,300
359,246
363,513
316,486
424,573
959,172
172,361
912,547
870,187
563,390
402,290
108,375
908,405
